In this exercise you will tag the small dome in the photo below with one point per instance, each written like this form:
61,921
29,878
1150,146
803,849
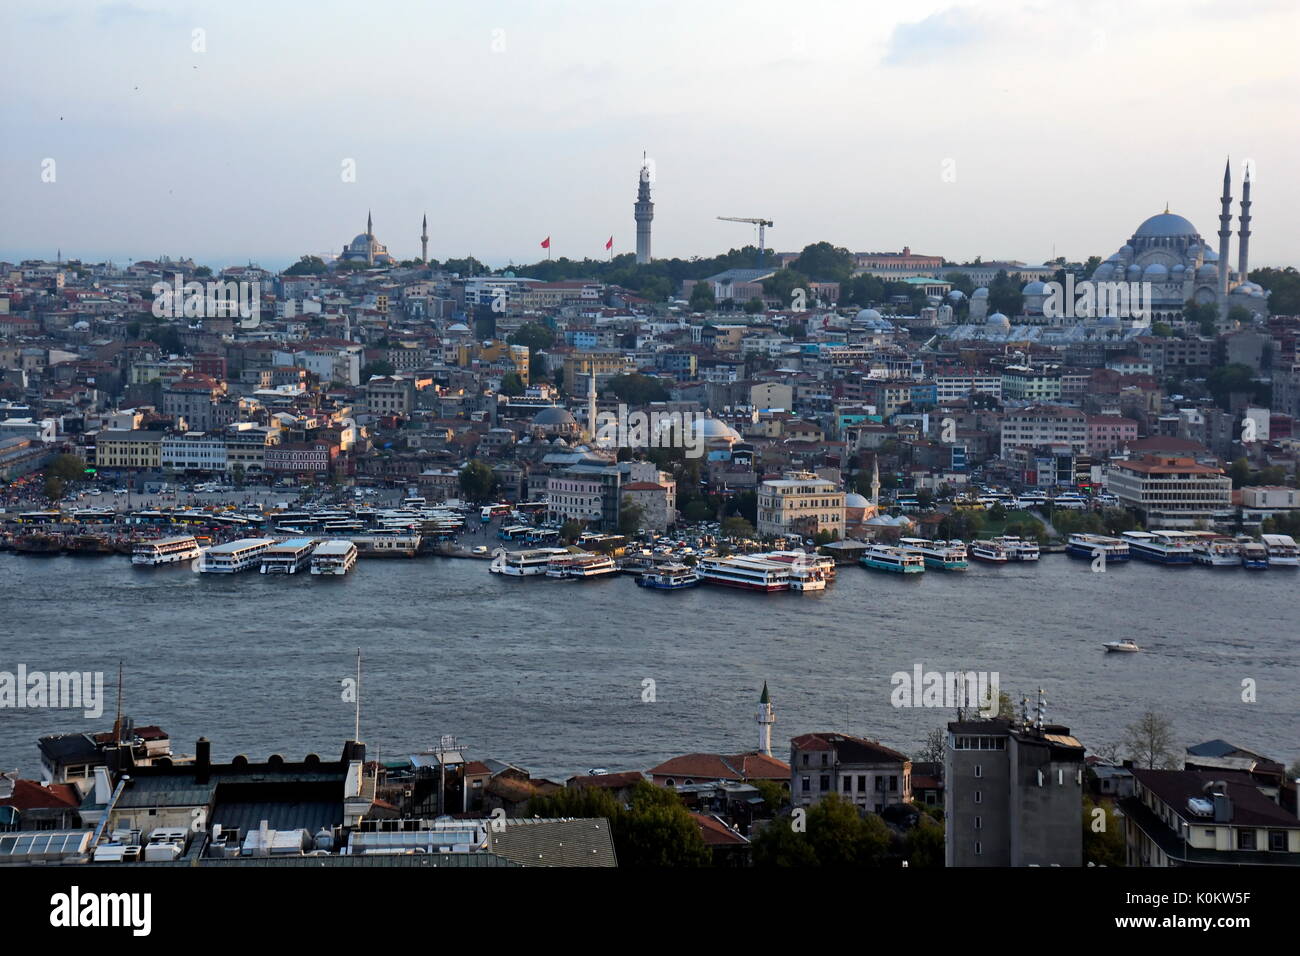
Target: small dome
1178,269
980,293
956,295
1125,250
1104,271
458,327
1133,272
710,429
1155,273
855,500
1035,288
868,315
997,318
1207,271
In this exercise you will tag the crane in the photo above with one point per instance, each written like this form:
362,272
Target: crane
762,224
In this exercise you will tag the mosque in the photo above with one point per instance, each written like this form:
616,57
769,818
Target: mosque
366,248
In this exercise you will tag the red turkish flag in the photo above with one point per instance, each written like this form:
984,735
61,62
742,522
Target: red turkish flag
546,243
610,244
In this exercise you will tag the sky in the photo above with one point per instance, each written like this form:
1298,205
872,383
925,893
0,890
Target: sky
224,131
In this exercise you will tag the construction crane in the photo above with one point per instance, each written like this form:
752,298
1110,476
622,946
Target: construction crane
762,224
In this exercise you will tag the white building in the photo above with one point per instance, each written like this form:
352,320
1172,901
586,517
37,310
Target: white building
800,503
1171,492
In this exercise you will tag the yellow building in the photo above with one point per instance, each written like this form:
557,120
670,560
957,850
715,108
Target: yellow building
578,365
128,449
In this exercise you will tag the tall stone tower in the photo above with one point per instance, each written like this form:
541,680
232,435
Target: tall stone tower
370,240
644,211
1225,233
1243,234
424,241
766,718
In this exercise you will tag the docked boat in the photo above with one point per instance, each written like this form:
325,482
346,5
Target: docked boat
991,551
288,557
669,577
387,545
747,573
1125,645
1254,556
1215,551
523,564
941,555
883,557
336,557
1282,551
233,556
1160,547
1018,549
1101,546
808,572
581,566
165,551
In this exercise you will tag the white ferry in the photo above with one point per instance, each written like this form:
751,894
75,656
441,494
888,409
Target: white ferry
334,557
165,551
1162,547
753,574
387,545
882,557
1282,551
1254,556
234,556
809,572
1018,549
1215,552
523,564
669,577
991,551
288,557
580,566
1108,549
942,555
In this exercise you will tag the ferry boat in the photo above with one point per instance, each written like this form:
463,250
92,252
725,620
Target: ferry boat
523,564
992,551
1109,549
387,545
882,557
808,572
1161,547
288,557
1216,552
165,551
1018,549
1125,645
1254,556
942,555
233,556
748,573
581,565
1282,551
334,557
669,577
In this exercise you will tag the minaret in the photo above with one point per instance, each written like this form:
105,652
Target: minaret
644,211
1243,234
875,484
766,718
591,402
1225,232
424,241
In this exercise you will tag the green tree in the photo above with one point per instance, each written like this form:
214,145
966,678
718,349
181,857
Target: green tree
654,830
924,843
737,527
823,262
377,367
754,305
477,481
570,530
630,516
307,266
1103,835
638,389
67,468
783,284
702,298
54,487
512,384
537,337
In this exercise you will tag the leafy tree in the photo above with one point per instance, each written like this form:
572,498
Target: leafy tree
1104,847
377,367
54,487
1283,286
534,335
837,835
67,468
754,305
654,830
702,298
823,262
783,284
697,510
202,272
570,530
638,389
477,481
737,527
924,843
774,795
512,384
307,266
630,516
1149,741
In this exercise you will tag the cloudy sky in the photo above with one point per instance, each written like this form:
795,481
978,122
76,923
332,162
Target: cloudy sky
998,129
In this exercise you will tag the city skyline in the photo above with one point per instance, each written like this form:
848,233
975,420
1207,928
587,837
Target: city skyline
896,130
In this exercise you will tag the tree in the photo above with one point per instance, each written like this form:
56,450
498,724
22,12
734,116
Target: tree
737,527
1283,286
511,384
237,473
837,834
823,262
1149,741
1240,472
638,389
1104,846
932,751
477,481
754,305
54,487
783,284
654,830
924,843
630,515
377,367
535,336
307,266
67,468
570,530
702,298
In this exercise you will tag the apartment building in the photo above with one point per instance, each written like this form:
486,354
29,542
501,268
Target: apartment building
193,451
1171,492
128,449
1040,425
954,385
1024,383
800,503
863,772
1109,433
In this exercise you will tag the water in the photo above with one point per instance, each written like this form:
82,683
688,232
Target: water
549,674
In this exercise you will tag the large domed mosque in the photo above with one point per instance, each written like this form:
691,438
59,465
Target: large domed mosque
366,248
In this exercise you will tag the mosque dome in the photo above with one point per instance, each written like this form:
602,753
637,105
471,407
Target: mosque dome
458,327
1104,271
855,500
868,315
1165,225
1035,288
710,429
1133,273
980,293
1178,269
999,320
1155,273
956,295
554,416
1207,271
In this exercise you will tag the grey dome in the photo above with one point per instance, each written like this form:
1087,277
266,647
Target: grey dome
1165,225
554,415
980,293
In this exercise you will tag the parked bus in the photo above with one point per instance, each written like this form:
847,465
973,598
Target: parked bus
488,512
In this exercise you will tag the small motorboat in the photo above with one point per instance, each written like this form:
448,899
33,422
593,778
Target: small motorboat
1125,645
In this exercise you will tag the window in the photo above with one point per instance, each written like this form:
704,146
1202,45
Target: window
862,783
979,770
979,848
1277,841
1245,839
893,785
805,784
824,783
979,823
979,797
